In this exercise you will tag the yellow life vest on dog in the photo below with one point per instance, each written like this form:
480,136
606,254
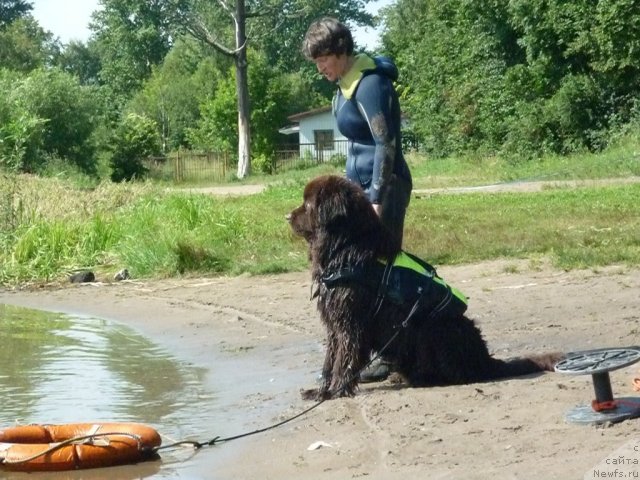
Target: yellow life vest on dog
405,282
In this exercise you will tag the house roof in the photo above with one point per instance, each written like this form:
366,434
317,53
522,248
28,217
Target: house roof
290,129
296,117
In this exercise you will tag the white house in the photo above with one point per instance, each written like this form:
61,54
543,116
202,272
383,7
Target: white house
318,134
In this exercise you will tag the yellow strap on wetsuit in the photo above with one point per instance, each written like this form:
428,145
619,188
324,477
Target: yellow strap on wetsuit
349,82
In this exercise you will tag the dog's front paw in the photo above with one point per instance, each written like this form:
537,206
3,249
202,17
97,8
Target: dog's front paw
314,394
308,393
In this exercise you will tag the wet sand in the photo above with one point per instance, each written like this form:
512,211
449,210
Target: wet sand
267,330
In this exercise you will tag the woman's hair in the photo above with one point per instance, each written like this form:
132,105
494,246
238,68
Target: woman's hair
327,36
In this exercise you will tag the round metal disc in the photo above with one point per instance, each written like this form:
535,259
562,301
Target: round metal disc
584,414
598,361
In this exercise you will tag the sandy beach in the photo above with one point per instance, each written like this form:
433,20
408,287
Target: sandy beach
498,430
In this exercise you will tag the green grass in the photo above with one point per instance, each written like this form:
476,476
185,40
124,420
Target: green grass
50,227
575,228
620,160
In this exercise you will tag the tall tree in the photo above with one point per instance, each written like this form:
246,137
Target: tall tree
11,10
216,35
517,76
131,37
275,96
224,28
25,46
173,94
452,56
82,60
279,34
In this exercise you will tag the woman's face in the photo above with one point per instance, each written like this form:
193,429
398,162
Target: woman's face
333,67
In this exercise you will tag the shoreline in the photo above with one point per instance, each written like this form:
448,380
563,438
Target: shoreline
507,429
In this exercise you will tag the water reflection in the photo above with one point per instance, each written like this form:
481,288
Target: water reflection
60,369
56,368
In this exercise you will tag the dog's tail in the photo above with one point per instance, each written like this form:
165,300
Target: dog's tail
516,367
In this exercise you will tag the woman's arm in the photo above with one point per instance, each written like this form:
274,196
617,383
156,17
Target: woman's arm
375,97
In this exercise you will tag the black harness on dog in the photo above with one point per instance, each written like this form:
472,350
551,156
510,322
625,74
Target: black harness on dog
407,282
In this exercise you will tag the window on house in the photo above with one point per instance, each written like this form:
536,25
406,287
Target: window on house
323,139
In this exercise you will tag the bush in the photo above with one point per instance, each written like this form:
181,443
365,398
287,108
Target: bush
20,138
135,139
68,111
43,115
263,163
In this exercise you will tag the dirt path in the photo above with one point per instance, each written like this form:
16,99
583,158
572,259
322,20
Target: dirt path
531,186
523,186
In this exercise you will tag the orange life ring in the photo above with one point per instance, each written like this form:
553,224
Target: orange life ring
76,445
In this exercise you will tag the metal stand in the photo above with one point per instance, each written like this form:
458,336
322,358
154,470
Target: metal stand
599,363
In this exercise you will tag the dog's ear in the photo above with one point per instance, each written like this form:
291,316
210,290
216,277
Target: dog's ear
331,202
340,204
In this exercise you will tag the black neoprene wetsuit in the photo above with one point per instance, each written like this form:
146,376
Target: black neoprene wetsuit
367,112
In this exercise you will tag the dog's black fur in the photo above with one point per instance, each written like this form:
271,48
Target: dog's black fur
342,230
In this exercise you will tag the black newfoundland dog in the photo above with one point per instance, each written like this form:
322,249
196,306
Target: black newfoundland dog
373,297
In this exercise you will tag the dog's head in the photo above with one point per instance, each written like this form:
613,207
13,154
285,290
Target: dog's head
333,205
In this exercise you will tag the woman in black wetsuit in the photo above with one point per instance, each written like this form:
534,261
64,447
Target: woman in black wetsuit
367,112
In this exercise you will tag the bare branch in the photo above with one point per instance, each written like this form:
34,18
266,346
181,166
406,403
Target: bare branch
199,30
228,9
274,11
282,18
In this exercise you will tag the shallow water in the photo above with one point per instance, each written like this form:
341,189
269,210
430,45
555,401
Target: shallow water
57,368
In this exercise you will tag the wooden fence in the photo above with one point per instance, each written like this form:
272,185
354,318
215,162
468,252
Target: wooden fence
188,166
306,155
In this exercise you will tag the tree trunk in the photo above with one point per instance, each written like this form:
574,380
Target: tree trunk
242,92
